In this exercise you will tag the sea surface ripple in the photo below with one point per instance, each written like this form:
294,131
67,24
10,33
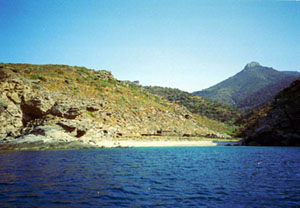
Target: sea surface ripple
152,177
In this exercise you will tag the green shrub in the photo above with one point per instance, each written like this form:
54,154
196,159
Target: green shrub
35,77
91,114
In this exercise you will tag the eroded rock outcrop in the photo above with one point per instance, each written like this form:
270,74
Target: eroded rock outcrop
65,111
11,115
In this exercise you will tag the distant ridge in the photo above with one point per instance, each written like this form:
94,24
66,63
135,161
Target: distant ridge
252,87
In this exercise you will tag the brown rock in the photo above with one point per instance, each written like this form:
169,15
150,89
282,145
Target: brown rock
38,106
92,108
65,111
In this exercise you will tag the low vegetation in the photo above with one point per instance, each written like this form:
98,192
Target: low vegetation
198,105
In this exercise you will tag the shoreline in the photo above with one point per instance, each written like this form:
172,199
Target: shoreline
115,143
157,143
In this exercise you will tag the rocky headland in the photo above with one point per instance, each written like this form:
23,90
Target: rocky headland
276,124
59,106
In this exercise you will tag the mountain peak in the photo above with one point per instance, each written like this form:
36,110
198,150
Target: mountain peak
252,64
254,86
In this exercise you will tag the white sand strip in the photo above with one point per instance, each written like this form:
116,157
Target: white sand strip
153,143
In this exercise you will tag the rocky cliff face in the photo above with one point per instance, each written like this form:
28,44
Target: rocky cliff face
54,103
277,124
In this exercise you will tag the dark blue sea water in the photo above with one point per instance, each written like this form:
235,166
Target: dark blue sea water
152,177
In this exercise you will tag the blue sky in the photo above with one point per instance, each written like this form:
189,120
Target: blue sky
186,44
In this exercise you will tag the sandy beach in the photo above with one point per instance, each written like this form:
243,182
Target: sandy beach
155,143
39,143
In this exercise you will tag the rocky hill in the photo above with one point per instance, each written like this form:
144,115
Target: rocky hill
254,81
65,104
276,124
196,104
264,95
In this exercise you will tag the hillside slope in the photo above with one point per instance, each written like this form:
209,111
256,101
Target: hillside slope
197,104
254,81
66,103
276,124
264,95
